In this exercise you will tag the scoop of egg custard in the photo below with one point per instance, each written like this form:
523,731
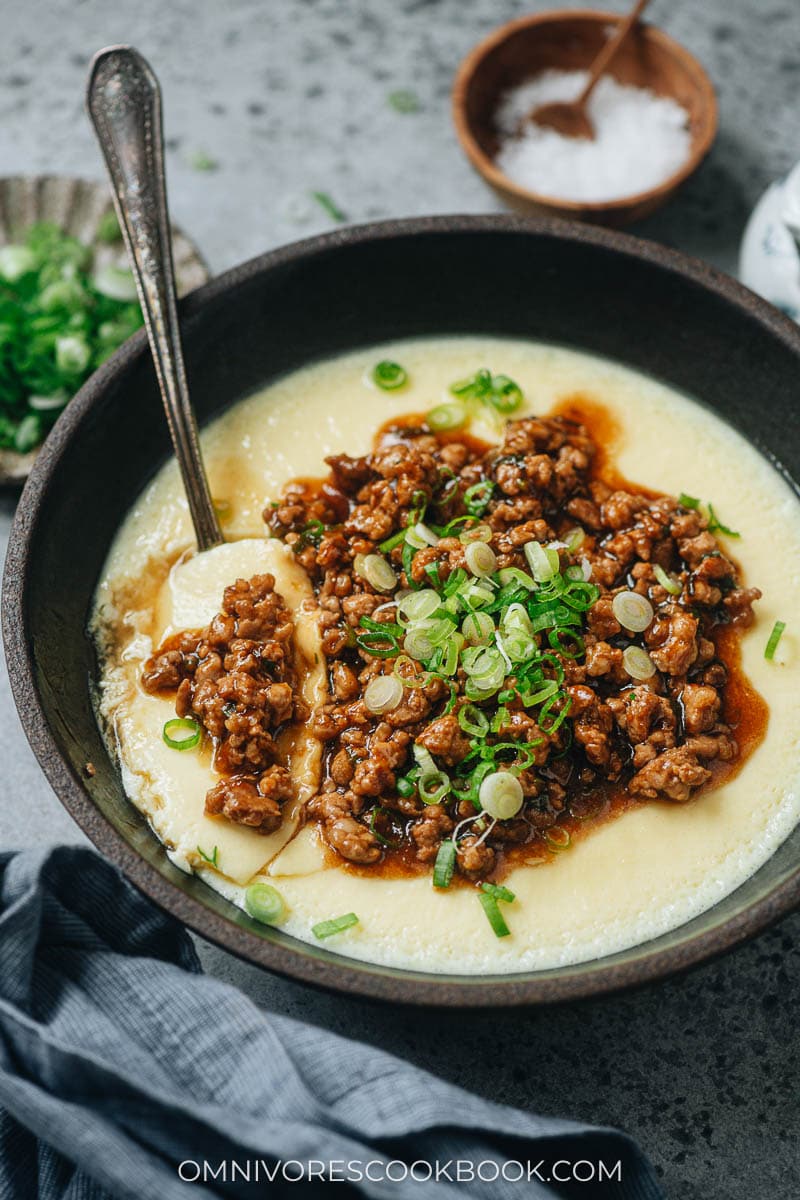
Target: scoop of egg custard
237,671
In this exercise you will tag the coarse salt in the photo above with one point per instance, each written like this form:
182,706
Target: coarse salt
641,139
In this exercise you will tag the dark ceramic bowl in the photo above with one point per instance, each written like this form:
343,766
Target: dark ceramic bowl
604,293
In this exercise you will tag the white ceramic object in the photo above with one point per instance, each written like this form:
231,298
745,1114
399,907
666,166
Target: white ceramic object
77,206
769,259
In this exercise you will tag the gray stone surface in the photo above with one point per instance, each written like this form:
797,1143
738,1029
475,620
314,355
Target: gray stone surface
290,96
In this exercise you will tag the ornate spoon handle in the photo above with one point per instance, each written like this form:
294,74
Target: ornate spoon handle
124,102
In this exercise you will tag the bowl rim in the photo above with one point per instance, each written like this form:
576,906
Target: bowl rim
487,167
292,958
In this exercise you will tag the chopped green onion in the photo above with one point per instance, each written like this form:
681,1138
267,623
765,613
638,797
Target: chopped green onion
473,721
495,918
329,206
446,416
557,837
774,638
543,562
405,787
716,526
668,582
376,570
499,892
633,611
638,663
481,559
376,812
404,101
383,693
201,161
326,929
444,865
264,903
434,787
194,732
478,496
379,645
392,542
475,533
478,628
501,795
212,858
688,501
389,375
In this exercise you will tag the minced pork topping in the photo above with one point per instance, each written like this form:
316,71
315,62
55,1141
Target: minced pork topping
511,643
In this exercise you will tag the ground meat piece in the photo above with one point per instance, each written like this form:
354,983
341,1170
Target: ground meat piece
700,707
342,831
646,718
341,768
349,474
344,682
601,620
739,606
592,723
251,802
694,549
373,776
168,668
444,739
619,510
673,641
585,511
414,707
602,659
430,830
474,858
670,776
717,744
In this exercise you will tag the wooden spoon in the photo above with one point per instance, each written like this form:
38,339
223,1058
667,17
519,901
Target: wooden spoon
571,118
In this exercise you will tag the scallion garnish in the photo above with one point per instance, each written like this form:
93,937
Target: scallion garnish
444,865
668,582
389,375
264,903
774,638
193,733
495,391
716,526
326,929
445,417
477,497
211,858
404,101
499,892
489,905
330,207
688,501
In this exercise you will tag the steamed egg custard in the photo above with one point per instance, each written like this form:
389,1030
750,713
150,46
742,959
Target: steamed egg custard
494,672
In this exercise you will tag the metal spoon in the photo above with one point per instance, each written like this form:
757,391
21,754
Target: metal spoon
571,118
124,102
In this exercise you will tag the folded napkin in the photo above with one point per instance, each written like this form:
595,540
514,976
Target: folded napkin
125,1072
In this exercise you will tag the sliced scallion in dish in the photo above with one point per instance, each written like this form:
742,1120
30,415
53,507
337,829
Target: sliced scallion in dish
495,918
326,929
191,730
499,892
444,865
774,638
389,375
445,417
668,582
264,903
212,859
688,501
716,526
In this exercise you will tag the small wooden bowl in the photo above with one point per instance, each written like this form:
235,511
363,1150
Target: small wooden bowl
570,41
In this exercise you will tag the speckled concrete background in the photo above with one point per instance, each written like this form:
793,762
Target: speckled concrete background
290,96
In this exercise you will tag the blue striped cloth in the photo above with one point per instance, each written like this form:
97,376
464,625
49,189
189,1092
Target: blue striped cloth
125,1072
